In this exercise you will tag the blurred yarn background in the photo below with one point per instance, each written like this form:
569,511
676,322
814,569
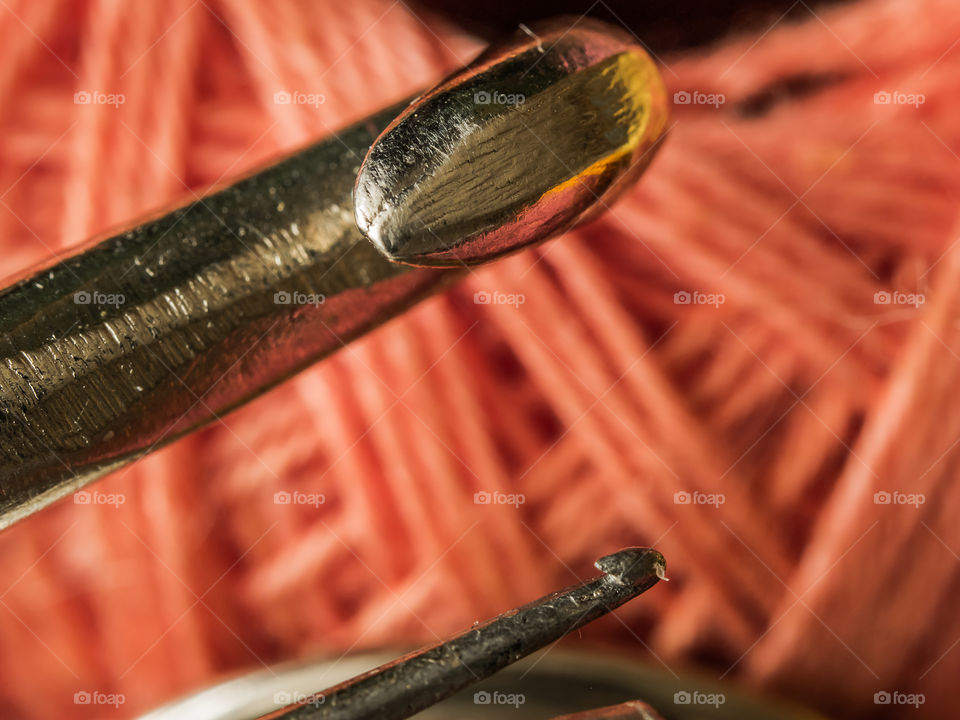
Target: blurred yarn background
751,362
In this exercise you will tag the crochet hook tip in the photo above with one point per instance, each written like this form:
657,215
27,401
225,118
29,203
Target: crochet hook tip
634,565
404,687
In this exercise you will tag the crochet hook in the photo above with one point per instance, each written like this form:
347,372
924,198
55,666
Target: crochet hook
408,685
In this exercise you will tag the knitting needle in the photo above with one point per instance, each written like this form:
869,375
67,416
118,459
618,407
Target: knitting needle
406,686
151,333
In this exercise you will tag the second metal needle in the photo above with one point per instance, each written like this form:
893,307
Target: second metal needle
414,682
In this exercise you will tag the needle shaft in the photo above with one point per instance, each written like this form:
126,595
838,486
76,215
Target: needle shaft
417,681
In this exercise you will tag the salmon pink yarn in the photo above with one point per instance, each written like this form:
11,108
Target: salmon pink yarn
751,362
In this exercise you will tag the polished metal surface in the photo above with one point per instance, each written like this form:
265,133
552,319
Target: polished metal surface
151,333
518,146
142,337
412,683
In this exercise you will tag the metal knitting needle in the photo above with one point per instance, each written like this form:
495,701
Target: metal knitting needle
412,683
144,336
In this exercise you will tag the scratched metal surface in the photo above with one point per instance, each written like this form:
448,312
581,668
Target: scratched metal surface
148,335
159,330
412,683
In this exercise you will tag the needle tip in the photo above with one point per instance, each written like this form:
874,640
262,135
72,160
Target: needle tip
536,135
634,565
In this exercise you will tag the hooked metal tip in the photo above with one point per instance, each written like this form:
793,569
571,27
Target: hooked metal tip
536,135
416,681
633,565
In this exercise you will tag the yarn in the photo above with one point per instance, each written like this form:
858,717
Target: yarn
730,365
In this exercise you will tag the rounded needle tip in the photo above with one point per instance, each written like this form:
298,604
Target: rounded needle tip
537,134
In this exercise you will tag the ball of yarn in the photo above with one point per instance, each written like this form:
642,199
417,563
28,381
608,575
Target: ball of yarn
749,362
